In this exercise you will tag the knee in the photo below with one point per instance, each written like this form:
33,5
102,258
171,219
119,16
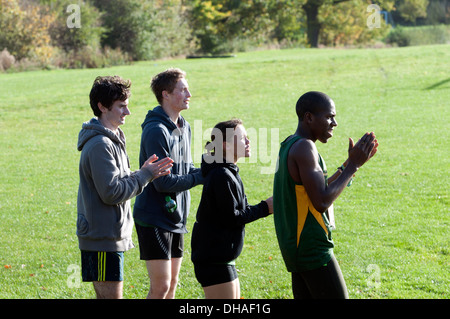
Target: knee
160,288
173,282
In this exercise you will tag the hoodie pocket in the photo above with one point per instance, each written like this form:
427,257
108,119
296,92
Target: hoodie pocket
175,217
82,225
171,209
123,222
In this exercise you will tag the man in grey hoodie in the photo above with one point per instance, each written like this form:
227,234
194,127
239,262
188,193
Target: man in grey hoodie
104,222
161,211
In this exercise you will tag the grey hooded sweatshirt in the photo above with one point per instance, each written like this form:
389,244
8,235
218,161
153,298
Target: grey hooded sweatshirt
104,221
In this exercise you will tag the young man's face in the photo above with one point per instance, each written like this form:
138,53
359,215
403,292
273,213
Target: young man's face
115,117
324,122
179,98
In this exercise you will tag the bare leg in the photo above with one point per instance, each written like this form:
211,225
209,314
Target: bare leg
163,276
227,290
108,289
176,265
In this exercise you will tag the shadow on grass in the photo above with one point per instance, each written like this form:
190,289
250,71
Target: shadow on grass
438,84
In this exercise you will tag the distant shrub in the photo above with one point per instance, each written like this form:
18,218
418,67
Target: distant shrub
398,36
405,36
89,57
6,60
433,34
115,57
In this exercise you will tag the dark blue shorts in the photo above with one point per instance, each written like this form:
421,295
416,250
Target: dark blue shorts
101,266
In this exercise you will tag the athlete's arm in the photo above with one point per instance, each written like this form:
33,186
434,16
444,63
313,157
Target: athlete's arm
304,168
332,178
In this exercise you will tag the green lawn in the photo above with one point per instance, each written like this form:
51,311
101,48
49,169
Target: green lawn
392,238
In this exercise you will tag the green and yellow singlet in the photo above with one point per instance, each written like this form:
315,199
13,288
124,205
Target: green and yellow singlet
304,234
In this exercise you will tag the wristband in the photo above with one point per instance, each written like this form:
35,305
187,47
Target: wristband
341,168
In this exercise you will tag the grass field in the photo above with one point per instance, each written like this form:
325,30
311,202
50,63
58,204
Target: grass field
392,237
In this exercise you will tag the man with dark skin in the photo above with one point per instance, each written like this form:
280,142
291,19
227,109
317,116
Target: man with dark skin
303,193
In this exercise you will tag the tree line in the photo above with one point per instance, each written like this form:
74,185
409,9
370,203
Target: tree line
95,33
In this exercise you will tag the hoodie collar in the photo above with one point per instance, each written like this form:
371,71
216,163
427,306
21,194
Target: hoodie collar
209,163
93,128
159,115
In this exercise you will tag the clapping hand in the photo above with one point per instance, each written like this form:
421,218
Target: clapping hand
159,168
363,150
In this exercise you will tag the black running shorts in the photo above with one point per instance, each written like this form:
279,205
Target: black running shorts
157,243
214,274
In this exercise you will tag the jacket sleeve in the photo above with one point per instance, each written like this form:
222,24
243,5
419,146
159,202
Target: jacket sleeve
228,204
113,188
155,141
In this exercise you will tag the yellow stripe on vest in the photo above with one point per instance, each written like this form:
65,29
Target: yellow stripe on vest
304,206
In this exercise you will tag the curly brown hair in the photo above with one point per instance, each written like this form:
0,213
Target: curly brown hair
107,90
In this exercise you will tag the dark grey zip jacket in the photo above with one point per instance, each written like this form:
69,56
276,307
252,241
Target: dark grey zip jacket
162,137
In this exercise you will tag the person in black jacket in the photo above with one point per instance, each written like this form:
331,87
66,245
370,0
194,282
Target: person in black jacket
218,233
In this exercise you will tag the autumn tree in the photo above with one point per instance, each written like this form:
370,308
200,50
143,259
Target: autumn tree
73,38
347,24
229,25
313,7
207,20
24,30
164,31
410,10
